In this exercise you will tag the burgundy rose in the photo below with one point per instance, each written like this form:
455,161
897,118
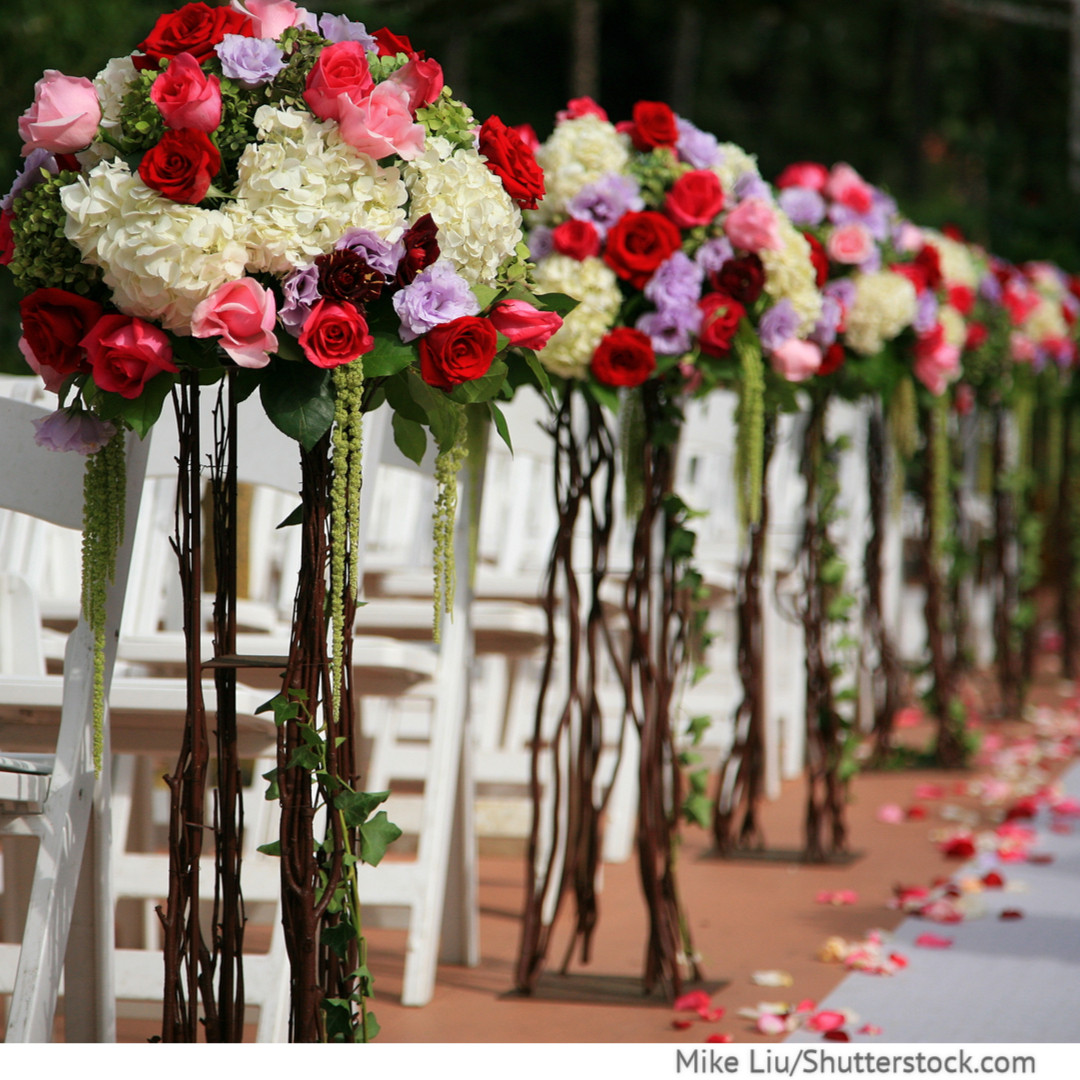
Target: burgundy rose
694,199
457,351
653,125
743,279
832,359
624,357
819,257
334,334
720,319
195,29
421,242
345,275
576,239
126,353
511,160
638,243
181,166
54,323
7,237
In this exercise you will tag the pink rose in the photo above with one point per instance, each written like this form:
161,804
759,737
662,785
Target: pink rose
186,96
753,226
846,186
242,314
340,74
937,362
64,117
909,237
850,244
382,124
523,324
808,174
126,353
270,17
796,360
421,79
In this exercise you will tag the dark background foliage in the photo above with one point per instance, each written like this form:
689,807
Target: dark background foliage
964,117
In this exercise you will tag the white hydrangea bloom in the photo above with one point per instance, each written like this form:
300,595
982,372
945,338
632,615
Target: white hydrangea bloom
952,322
591,281
790,273
958,267
111,83
578,152
479,224
1046,321
160,258
301,186
884,306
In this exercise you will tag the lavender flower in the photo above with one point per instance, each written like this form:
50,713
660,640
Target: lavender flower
676,283
926,312
842,290
872,263
378,253
249,61
750,186
301,293
605,200
832,312
436,295
712,255
803,205
778,325
990,288
671,329
30,174
337,28
696,147
73,429
539,241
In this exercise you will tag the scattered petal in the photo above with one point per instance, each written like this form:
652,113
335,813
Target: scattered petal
1011,913
692,1001
890,814
870,1029
837,897
1062,828
725,1038
929,791
960,847
993,880
772,978
909,717
1040,858
771,1024
681,1025
826,1020
933,941
837,1036
916,813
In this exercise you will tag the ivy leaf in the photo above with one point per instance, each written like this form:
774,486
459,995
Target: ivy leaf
299,400
338,938
376,836
357,805
482,389
410,437
371,1027
389,356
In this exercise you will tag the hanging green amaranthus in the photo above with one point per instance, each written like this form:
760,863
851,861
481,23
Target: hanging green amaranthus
631,443
941,502
103,531
447,466
750,426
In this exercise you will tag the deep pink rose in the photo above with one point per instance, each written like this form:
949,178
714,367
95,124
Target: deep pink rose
937,363
523,324
528,135
126,353
54,322
186,96
850,244
753,226
269,18
381,124
64,117
340,73
694,199
846,186
578,107
242,314
796,360
334,334
807,174
422,80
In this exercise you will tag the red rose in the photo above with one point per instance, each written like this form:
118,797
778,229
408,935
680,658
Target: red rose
181,166
742,279
653,125
807,174
421,243
581,106
694,199
819,257
334,334
54,322
390,44
962,297
341,71
7,237
720,319
832,359
528,136
638,243
577,239
457,351
976,336
624,357
126,353
194,28
511,160
929,261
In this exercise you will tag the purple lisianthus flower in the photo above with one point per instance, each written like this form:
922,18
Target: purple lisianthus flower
249,61
872,263
435,296
778,324
676,282
73,429
751,186
378,253
803,205
539,241
301,293
605,200
926,312
906,236
990,288
842,290
336,28
712,255
832,312
30,174
671,330
696,147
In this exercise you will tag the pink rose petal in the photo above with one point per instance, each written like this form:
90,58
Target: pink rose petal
870,1029
890,814
933,941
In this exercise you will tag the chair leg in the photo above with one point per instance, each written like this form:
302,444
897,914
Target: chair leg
460,938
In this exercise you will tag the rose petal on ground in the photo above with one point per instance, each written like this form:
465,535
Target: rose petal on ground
870,1029
890,813
772,978
929,791
993,880
771,1024
826,1020
1040,858
916,813
692,1001
720,1039
682,1025
837,1036
1011,913
1062,828
911,716
933,941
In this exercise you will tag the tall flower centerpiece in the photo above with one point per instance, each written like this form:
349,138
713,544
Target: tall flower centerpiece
284,203
689,276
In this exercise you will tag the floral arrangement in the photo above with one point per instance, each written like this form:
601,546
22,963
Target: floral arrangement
283,197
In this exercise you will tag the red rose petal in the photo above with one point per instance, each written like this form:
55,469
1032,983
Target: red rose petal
837,1036
1011,913
993,880
719,1039
1040,858
916,813
933,941
681,1025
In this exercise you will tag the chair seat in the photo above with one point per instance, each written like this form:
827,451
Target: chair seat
24,781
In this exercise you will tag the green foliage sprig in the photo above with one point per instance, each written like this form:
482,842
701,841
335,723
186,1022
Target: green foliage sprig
447,466
750,425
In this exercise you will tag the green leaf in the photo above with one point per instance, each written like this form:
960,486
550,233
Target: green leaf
482,389
273,848
338,938
441,414
295,517
484,294
607,396
560,303
410,437
500,424
371,1027
376,836
141,412
541,374
299,400
389,356
357,805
